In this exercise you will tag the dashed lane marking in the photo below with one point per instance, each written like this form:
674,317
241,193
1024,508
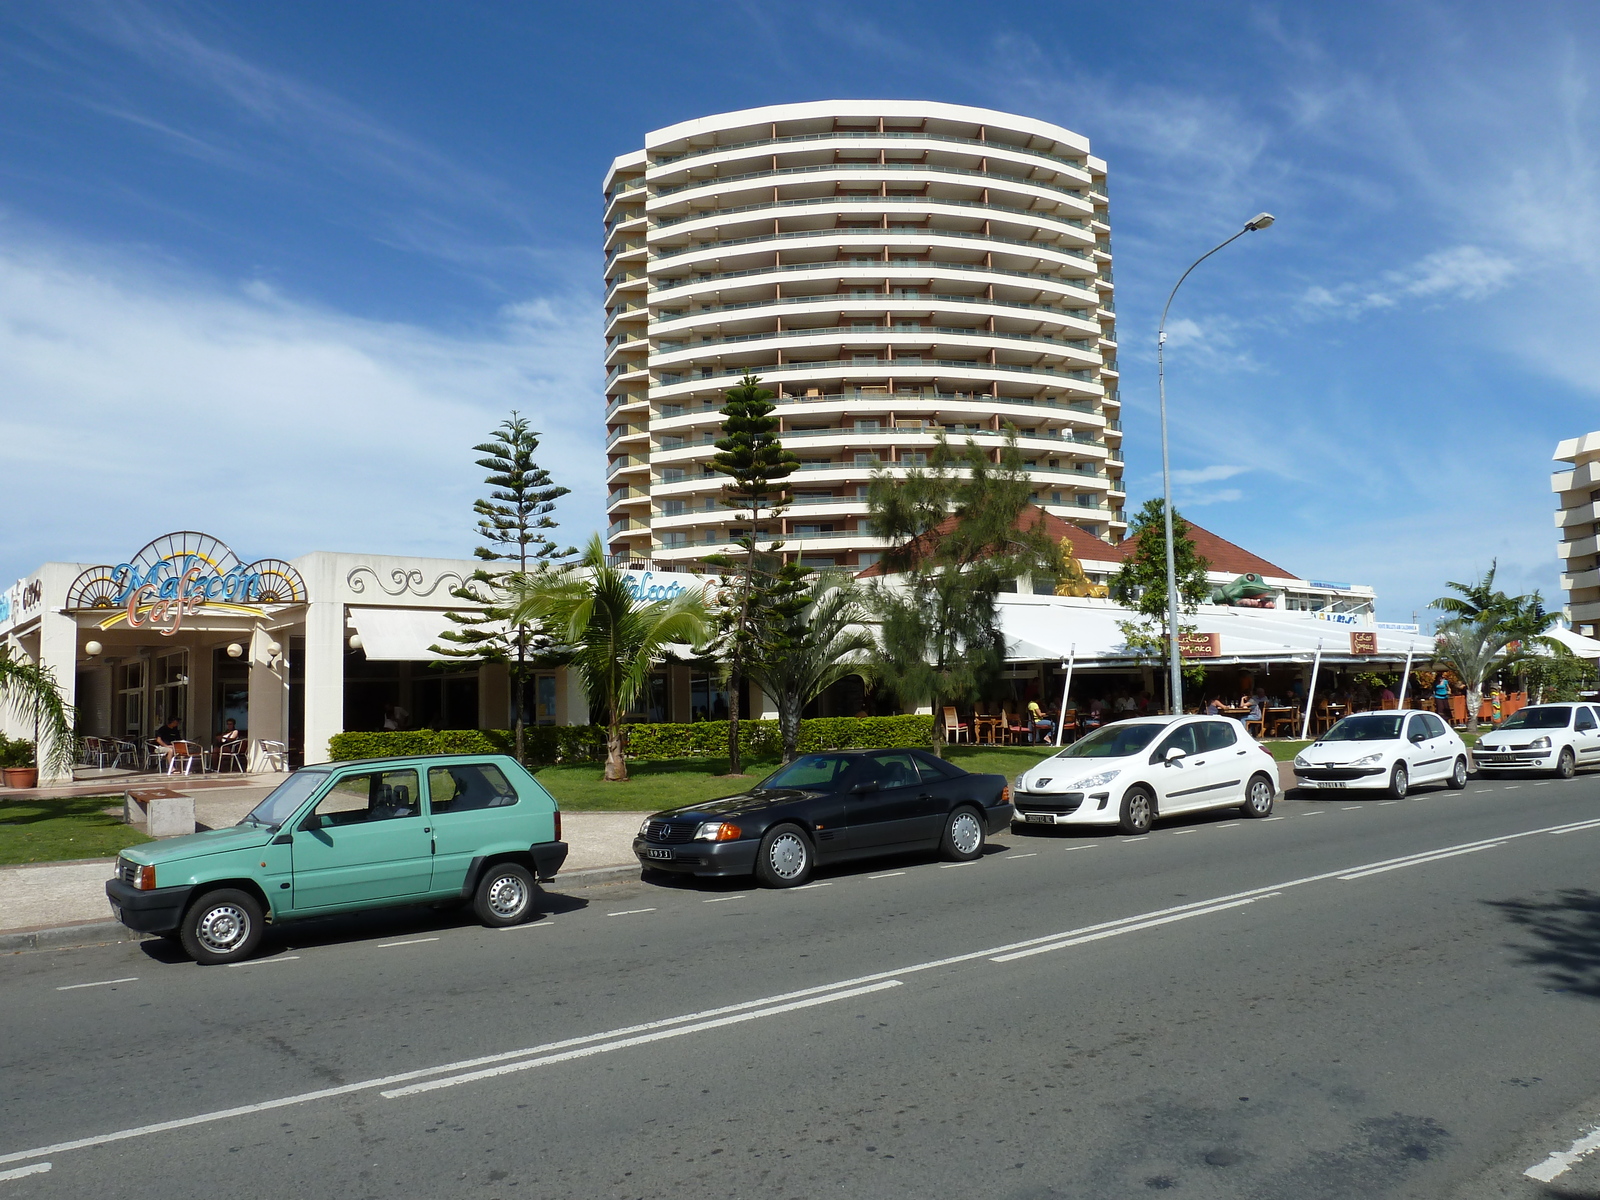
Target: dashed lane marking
809,886
263,962
1352,808
407,942
1381,803
630,912
1029,854
72,987
720,899
1315,813
886,875
35,1169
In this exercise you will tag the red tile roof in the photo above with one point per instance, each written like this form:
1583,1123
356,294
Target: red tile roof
1222,554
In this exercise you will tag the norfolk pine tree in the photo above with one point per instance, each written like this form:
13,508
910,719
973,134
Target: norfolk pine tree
940,641
1141,582
512,523
756,463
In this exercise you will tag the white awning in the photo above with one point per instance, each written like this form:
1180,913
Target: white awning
1583,647
401,634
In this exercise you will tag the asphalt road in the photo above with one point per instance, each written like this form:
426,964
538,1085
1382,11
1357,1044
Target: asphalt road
1357,999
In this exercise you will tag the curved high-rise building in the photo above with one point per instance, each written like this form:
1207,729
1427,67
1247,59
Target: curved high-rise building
891,270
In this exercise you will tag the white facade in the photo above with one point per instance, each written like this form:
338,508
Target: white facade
1577,486
890,269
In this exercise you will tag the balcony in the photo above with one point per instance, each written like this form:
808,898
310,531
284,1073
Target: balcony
886,135
923,268
889,169
922,235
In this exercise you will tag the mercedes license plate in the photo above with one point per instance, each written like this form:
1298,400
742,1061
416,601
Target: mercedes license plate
1041,818
659,853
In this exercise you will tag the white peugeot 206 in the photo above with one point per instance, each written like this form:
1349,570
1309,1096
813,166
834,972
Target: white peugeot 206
1385,751
1558,738
1130,773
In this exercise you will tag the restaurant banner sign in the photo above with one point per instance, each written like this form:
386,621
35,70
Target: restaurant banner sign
1192,644
1362,642
176,576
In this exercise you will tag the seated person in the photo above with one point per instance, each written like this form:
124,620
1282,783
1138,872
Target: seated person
231,738
167,739
1040,726
1214,706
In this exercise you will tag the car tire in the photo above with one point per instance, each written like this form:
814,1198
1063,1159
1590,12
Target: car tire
1399,782
1258,797
1138,811
785,859
963,836
1458,775
504,895
1566,764
222,926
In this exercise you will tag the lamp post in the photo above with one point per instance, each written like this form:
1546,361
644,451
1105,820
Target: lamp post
1174,662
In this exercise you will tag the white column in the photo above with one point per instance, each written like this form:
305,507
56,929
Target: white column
58,650
324,674
268,718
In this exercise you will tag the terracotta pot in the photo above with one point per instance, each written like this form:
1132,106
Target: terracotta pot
22,777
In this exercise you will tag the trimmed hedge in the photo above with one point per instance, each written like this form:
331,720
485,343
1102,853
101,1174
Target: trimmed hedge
587,743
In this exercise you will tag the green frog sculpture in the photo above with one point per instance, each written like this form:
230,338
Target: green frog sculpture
1247,591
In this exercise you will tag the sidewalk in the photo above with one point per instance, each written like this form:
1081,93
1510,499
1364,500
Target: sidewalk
48,896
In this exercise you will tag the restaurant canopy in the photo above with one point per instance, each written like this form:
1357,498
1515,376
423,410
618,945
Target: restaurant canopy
1049,628
1583,647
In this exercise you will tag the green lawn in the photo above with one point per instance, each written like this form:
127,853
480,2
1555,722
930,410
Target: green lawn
33,831
666,783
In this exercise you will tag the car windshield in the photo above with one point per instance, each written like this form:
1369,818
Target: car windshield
1367,727
1113,741
811,771
1553,717
284,799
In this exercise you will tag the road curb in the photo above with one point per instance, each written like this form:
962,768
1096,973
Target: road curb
596,875
63,937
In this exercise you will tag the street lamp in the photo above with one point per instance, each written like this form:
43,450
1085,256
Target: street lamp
1174,663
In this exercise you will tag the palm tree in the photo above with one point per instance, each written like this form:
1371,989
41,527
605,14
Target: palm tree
31,692
822,643
613,638
1485,625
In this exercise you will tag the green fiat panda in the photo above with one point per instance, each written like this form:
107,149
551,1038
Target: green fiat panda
339,837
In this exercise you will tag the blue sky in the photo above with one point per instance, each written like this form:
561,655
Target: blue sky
270,270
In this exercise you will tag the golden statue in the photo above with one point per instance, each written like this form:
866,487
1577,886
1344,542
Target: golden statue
1073,581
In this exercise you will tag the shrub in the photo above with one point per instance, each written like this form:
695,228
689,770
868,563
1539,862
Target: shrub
587,743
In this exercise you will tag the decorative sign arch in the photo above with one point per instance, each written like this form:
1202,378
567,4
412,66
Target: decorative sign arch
175,575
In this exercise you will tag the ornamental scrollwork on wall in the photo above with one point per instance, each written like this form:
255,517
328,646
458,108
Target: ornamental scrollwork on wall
403,580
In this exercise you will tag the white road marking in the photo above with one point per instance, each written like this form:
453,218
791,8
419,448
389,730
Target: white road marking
720,899
1511,787
1181,832
411,942
1417,861
1381,803
261,962
1228,825
35,1169
886,875
807,887
630,912
1274,818
544,924
1546,783
1560,1160
1029,854
1319,812
947,866
1121,929
1352,807
659,1035
834,989
72,987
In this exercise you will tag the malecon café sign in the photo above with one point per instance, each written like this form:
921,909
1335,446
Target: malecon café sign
176,576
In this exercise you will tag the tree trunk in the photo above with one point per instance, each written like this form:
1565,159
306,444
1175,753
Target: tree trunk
735,678
938,729
616,765
789,709
1474,699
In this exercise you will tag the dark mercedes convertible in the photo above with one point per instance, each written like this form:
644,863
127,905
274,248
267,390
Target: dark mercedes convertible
826,808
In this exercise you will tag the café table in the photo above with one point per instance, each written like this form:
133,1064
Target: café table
1281,716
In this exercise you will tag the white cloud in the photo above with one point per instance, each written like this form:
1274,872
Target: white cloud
140,400
1208,474
1201,499
1459,273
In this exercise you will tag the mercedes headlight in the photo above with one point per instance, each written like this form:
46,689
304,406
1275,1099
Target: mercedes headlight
717,831
644,829
1539,743
1094,781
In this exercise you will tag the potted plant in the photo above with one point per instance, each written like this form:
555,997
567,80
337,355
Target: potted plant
16,758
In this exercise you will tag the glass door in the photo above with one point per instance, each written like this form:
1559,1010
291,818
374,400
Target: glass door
171,690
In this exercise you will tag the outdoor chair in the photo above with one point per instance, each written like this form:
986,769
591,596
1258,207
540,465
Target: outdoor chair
187,753
233,752
1016,728
124,753
94,752
275,755
152,756
955,730
1256,726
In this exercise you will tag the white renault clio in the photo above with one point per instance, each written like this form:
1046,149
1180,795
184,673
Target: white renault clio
1388,751
1131,772
1543,737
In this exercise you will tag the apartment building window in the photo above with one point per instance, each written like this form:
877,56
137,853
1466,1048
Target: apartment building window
672,410
914,459
672,541
1087,500
672,508
672,475
867,425
866,459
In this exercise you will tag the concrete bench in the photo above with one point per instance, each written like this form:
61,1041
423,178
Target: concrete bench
162,811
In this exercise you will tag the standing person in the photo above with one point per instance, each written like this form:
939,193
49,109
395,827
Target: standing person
1441,698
